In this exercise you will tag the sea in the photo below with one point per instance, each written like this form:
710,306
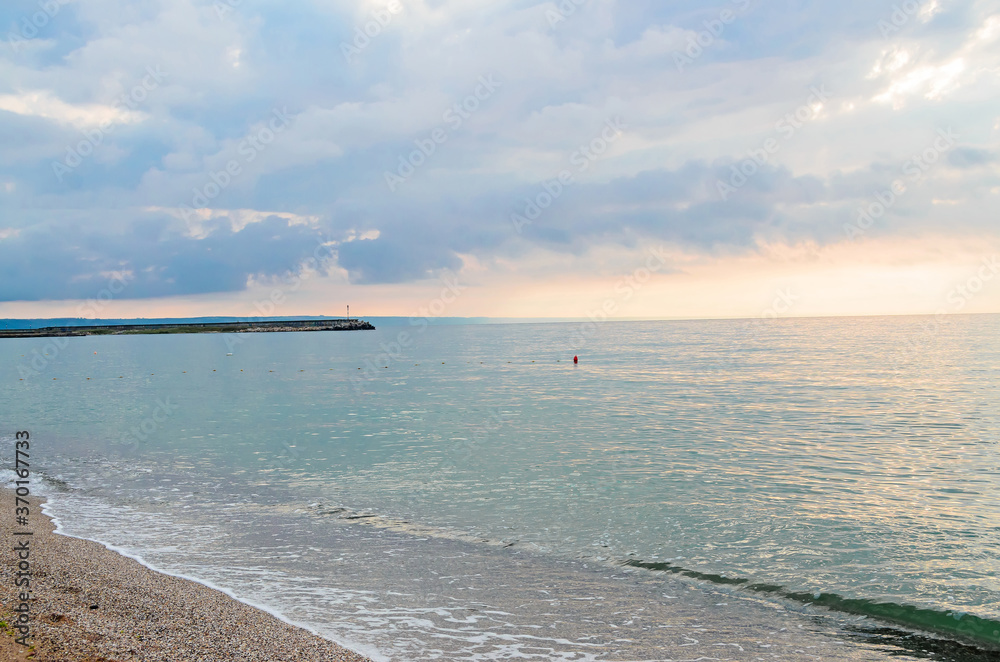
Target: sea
689,490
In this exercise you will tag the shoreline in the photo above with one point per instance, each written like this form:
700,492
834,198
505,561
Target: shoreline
147,614
89,602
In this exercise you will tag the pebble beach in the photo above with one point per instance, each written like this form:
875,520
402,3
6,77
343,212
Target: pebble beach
90,603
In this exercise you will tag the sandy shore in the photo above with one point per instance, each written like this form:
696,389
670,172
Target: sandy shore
89,603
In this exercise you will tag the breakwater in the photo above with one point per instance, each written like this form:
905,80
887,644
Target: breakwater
201,327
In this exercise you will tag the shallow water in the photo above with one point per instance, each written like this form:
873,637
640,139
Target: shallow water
851,460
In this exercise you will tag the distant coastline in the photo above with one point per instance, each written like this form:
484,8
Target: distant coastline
275,326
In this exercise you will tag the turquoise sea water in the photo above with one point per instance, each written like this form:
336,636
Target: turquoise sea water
478,496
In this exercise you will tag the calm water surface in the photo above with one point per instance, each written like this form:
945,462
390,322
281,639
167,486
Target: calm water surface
477,496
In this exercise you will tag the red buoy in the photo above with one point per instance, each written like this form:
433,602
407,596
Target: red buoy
576,359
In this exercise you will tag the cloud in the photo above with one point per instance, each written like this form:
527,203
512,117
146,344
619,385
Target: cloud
74,262
223,77
43,104
384,261
970,157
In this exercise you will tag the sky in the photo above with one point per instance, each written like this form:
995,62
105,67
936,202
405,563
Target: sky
581,158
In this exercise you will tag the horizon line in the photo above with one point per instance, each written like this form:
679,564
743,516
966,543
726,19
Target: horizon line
523,320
